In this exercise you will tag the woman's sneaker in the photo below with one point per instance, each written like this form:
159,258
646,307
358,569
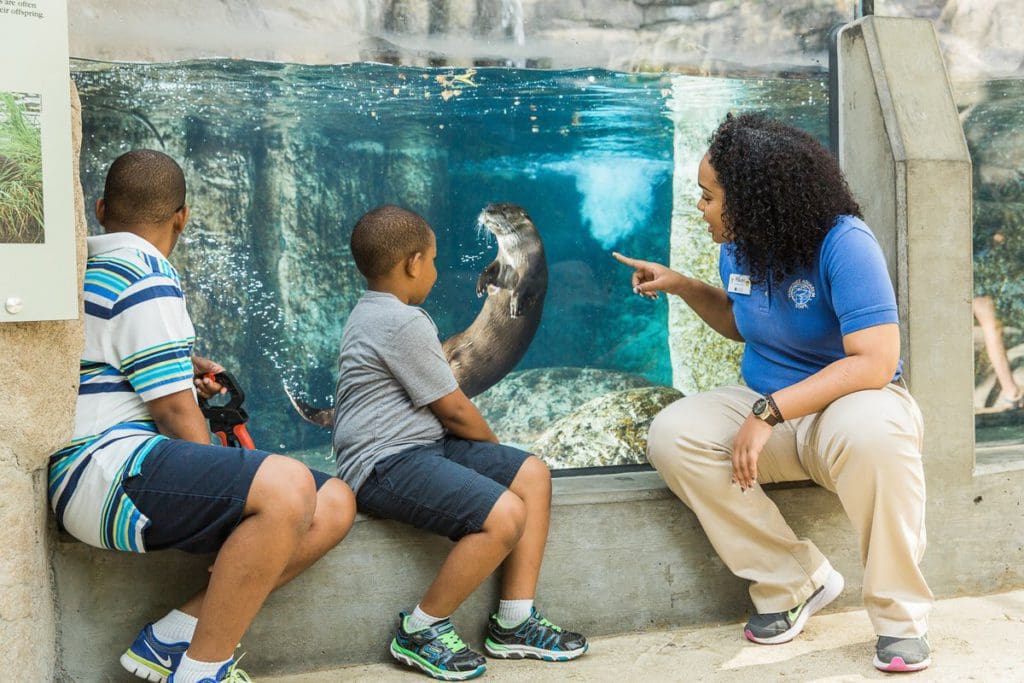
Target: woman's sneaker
536,637
150,658
437,651
902,654
781,627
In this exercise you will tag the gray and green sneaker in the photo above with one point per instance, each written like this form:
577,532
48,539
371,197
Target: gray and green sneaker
902,654
436,651
781,627
535,637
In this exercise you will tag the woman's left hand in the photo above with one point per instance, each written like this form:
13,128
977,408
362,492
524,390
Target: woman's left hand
746,449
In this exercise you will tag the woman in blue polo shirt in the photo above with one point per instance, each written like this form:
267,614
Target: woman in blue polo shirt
805,287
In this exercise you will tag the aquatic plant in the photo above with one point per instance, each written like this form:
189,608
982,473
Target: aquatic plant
21,175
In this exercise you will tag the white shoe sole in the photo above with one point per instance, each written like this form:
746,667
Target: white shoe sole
435,673
137,668
525,651
897,665
834,584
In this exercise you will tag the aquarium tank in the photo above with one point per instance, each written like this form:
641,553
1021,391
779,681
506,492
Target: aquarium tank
522,104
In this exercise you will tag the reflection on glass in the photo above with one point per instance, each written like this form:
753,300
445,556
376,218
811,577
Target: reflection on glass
993,116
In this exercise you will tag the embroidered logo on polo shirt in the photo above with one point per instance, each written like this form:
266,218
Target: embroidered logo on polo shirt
801,293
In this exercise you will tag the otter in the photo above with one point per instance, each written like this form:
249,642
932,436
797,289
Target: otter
515,285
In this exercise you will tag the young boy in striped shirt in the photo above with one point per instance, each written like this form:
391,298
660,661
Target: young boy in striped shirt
140,473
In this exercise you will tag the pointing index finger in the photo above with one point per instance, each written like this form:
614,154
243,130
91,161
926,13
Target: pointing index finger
632,263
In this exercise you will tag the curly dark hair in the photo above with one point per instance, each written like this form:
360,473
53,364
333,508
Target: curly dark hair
783,193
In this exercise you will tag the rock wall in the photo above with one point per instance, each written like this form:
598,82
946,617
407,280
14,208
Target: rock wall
979,37
701,358
38,388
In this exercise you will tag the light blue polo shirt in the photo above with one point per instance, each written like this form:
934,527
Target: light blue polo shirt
795,327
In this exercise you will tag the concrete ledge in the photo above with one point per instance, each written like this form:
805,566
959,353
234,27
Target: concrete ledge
997,459
623,555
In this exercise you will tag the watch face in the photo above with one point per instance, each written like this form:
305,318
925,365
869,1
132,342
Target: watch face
760,406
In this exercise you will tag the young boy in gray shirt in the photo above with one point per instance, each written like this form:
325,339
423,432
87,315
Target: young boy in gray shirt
415,449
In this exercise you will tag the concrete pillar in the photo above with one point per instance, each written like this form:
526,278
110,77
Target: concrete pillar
905,157
38,387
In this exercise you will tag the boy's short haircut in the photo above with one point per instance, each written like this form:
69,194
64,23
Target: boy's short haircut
143,186
385,236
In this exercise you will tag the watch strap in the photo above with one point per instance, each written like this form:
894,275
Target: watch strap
774,407
764,411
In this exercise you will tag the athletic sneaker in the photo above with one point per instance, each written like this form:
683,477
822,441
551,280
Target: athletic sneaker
229,673
781,627
535,637
902,654
150,658
436,651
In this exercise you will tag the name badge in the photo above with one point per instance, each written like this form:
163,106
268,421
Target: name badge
739,284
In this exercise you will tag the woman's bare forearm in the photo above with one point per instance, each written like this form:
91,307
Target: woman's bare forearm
873,354
711,303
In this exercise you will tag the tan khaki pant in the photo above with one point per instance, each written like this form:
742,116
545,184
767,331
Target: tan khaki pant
865,447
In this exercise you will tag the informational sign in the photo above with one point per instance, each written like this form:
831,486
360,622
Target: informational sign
38,279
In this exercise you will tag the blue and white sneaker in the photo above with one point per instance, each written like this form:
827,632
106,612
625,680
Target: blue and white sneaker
229,673
150,658
535,637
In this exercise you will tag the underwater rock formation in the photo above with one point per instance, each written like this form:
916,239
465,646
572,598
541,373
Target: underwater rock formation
609,430
701,358
526,403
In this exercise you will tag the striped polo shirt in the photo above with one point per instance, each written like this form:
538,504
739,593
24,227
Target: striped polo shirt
138,347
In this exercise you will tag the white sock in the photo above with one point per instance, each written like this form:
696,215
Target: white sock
175,627
419,620
514,612
192,671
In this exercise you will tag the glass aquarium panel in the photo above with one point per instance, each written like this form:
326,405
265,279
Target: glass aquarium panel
993,116
282,159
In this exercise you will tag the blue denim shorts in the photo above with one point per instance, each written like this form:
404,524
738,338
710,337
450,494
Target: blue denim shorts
447,487
193,494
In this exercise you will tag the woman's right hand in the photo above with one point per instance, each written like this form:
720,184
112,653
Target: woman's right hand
649,278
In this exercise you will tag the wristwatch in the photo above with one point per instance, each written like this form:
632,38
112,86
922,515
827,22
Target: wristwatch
765,409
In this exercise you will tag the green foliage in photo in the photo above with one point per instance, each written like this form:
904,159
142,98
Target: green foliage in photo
21,175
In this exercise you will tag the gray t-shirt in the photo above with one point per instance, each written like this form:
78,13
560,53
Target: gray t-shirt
390,367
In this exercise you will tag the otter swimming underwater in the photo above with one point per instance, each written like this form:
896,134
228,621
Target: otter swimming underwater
515,285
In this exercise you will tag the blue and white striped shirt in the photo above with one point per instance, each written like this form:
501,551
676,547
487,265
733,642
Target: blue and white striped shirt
138,347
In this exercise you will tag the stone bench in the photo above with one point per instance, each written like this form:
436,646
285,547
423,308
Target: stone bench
623,555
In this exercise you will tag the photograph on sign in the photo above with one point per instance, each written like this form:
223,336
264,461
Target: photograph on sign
21,169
